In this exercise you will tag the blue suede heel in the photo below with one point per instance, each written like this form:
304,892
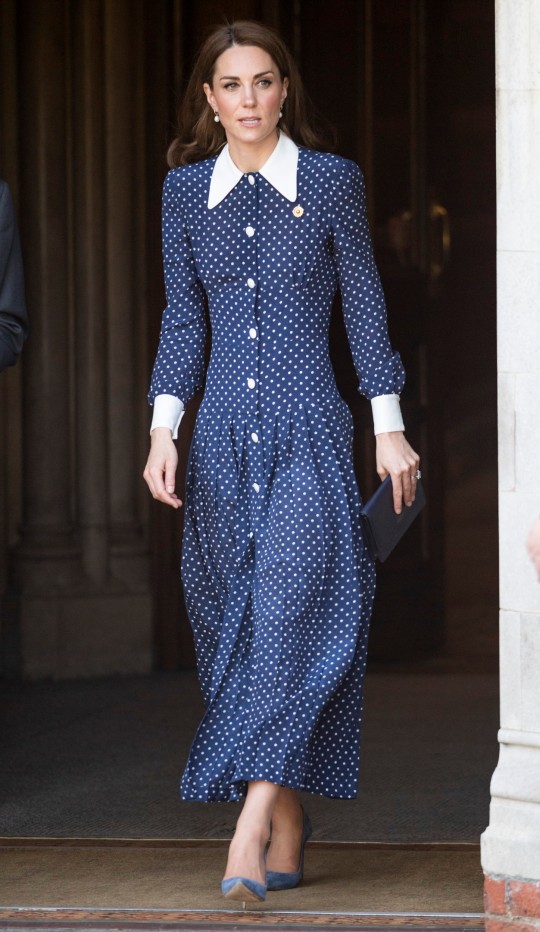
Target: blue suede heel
242,888
277,880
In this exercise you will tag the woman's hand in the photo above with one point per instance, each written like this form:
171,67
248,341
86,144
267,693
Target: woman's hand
395,457
160,470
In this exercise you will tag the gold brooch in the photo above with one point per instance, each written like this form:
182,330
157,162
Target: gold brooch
298,210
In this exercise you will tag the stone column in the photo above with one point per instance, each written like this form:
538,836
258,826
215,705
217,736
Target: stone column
90,284
511,844
79,616
126,215
48,517
47,560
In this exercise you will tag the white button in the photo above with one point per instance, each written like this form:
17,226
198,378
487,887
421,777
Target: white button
251,283
255,437
251,534
250,231
251,179
251,383
253,333
256,487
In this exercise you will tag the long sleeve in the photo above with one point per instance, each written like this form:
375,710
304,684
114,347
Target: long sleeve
13,317
179,366
380,371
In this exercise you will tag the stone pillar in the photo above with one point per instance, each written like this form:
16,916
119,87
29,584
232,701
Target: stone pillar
511,843
48,519
125,145
80,615
47,560
90,284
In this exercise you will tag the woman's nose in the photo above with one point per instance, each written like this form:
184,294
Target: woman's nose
249,96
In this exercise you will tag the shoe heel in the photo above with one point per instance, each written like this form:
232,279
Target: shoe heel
278,880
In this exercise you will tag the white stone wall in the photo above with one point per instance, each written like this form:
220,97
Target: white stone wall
511,844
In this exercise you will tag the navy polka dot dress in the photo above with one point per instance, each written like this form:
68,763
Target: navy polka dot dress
278,584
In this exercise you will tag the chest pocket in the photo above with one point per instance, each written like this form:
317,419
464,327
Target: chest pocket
314,262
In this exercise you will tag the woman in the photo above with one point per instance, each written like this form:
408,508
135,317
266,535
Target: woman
278,584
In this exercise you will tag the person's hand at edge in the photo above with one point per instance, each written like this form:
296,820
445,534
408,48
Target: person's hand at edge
533,546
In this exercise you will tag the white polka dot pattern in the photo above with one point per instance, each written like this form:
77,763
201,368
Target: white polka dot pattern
278,586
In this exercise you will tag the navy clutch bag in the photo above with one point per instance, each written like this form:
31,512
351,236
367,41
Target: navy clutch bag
383,528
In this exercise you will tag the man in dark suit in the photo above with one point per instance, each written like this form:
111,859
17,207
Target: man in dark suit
13,317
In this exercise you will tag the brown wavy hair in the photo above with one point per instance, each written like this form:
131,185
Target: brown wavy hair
198,136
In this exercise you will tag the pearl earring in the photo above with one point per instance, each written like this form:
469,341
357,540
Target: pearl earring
216,117
280,114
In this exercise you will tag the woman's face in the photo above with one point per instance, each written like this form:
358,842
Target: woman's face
247,92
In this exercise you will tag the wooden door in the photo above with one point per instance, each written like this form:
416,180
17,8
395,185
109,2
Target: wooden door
374,87
409,86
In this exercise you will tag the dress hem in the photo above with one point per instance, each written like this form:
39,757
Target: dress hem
240,793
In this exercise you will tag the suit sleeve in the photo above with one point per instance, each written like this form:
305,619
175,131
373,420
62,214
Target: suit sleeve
179,365
379,370
13,317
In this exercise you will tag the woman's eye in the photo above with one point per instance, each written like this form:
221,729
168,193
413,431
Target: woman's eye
231,85
265,82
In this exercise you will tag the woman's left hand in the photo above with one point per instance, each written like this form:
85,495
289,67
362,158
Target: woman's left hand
395,457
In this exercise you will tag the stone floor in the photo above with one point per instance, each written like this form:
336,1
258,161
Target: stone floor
102,759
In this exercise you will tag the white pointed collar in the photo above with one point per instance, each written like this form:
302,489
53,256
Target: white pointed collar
279,170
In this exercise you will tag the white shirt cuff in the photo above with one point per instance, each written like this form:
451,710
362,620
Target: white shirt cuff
386,414
168,411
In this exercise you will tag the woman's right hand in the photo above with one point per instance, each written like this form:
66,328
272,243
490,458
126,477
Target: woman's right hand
160,470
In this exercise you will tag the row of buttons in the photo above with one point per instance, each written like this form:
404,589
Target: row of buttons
250,232
253,334
255,437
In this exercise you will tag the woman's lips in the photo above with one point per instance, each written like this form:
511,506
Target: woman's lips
250,121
